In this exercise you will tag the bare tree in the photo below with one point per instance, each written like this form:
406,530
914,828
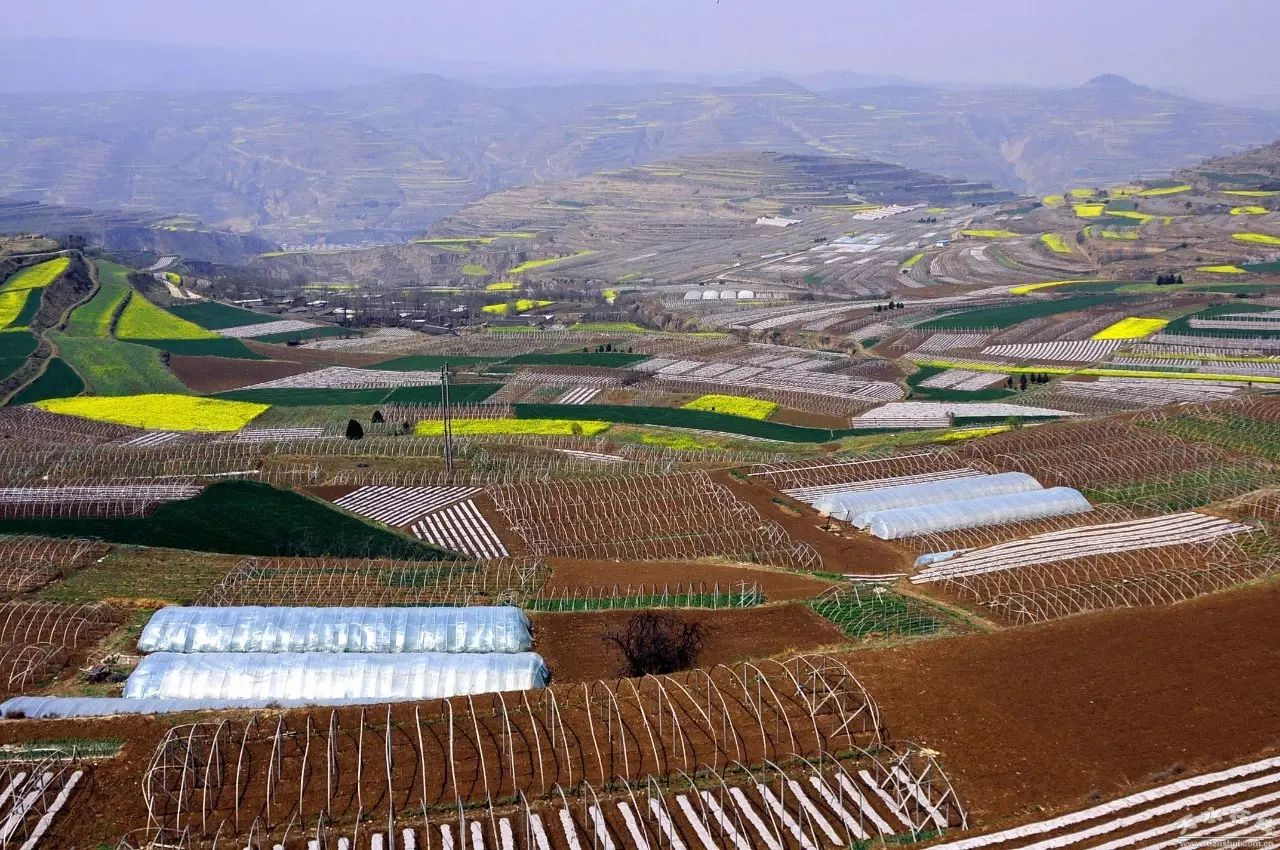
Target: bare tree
654,643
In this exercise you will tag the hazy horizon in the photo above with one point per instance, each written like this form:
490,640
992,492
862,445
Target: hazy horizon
1175,44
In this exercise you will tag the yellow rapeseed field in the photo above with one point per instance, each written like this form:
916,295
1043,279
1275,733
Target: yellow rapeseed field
734,405
543,427
160,411
1249,210
955,434
531,265
1047,284
15,291
1222,269
1089,210
1133,214
1257,238
143,320
522,305
1055,243
1165,190
1133,327
990,234
675,441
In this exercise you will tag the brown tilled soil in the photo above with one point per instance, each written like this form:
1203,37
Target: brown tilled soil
575,648
776,585
1039,719
217,374
330,492
843,550
510,538
809,420
314,357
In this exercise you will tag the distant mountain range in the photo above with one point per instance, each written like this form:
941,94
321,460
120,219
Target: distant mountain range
384,160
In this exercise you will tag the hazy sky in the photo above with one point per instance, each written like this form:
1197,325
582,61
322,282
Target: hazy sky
1220,47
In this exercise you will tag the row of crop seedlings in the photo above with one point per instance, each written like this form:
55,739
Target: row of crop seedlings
646,517
377,583
790,754
874,611
1124,463
1131,563
692,595
1250,425
1088,453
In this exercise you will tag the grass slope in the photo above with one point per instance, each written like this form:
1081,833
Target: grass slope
94,317
308,333
143,320
15,345
213,316
215,347
20,293
1012,314
680,418
58,381
111,367
241,518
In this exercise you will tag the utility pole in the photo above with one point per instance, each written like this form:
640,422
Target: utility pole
447,418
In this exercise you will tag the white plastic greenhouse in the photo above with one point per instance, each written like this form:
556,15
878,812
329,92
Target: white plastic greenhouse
392,630
973,513
37,707
852,503
324,677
